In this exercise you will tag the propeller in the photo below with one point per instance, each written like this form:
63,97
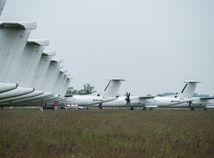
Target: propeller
128,101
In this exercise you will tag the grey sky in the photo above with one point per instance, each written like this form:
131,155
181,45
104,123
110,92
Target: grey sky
155,44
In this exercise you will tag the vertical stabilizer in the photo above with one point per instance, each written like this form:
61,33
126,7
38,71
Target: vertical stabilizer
2,3
112,88
188,89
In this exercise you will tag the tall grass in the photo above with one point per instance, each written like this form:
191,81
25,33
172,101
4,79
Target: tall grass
106,133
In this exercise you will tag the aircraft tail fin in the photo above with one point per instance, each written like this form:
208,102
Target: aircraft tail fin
2,3
112,88
189,89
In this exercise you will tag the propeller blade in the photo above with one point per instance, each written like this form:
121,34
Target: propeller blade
128,101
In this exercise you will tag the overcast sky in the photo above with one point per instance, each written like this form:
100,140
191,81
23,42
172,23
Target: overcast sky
154,44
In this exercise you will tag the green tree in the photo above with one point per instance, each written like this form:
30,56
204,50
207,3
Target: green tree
69,91
87,89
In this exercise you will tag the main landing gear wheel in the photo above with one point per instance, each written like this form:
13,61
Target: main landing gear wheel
100,106
190,106
144,107
132,108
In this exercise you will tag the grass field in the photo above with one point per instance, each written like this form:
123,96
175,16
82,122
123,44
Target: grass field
123,133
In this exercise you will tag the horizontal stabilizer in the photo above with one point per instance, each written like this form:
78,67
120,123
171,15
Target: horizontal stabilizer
192,81
38,42
49,53
116,79
22,25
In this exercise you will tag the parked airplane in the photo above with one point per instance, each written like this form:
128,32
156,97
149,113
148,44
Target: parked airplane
199,102
110,94
185,97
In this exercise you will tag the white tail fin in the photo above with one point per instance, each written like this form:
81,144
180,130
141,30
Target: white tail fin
188,89
112,88
2,3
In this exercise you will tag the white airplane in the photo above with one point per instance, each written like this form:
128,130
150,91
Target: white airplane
199,102
185,97
110,94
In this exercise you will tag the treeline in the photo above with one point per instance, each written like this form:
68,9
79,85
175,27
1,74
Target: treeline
87,89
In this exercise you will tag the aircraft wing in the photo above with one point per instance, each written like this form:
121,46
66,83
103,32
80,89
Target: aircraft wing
206,98
144,98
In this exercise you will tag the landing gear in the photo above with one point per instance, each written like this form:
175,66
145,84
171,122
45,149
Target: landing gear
204,107
144,108
190,106
101,106
131,108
